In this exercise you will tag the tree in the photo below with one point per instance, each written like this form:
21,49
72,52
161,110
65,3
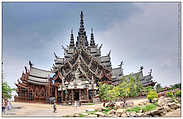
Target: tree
158,88
169,94
152,94
6,91
129,87
113,94
178,93
175,86
104,91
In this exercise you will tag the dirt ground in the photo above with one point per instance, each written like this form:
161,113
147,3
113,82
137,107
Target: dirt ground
35,109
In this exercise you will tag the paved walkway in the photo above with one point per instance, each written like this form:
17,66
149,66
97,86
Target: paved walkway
30,109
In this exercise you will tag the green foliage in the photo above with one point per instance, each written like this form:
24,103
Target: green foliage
129,87
147,89
134,109
178,93
175,86
104,91
113,93
159,88
6,90
152,94
169,94
149,107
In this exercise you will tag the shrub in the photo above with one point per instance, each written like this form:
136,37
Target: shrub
152,94
178,93
149,107
169,94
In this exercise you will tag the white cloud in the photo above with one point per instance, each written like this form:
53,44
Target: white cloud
149,38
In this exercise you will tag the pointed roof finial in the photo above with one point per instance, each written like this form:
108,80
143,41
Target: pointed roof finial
91,30
71,31
92,41
81,13
72,39
81,21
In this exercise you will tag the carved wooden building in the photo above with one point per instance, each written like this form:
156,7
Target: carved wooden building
74,77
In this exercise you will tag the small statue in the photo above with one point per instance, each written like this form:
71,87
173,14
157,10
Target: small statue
141,68
30,63
150,72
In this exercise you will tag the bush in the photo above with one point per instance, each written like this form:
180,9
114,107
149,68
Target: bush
169,94
152,94
149,107
178,93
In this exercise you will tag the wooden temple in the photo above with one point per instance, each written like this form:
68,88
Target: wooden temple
75,77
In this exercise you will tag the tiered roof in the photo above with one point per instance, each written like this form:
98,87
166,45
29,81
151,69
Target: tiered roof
34,76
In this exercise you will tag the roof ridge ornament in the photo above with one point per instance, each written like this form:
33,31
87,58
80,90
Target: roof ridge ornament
92,41
55,55
71,39
109,53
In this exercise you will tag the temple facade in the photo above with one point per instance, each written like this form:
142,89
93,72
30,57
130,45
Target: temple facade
74,77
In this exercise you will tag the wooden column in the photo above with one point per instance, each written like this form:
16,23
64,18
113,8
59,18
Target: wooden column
72,95
62,96
79,94
87,94
92,94
56,94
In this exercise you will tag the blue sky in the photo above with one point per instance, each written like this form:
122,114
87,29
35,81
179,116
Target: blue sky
139,33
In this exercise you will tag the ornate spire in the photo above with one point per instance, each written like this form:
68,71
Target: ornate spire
81,38
71,39
92,41
81,22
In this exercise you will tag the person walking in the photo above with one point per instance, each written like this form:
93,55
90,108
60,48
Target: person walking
9,105
3,106
54,107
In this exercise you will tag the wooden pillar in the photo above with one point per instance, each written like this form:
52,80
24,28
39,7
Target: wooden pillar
56,94
72,95
87,94
79,94
62,96
92,94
